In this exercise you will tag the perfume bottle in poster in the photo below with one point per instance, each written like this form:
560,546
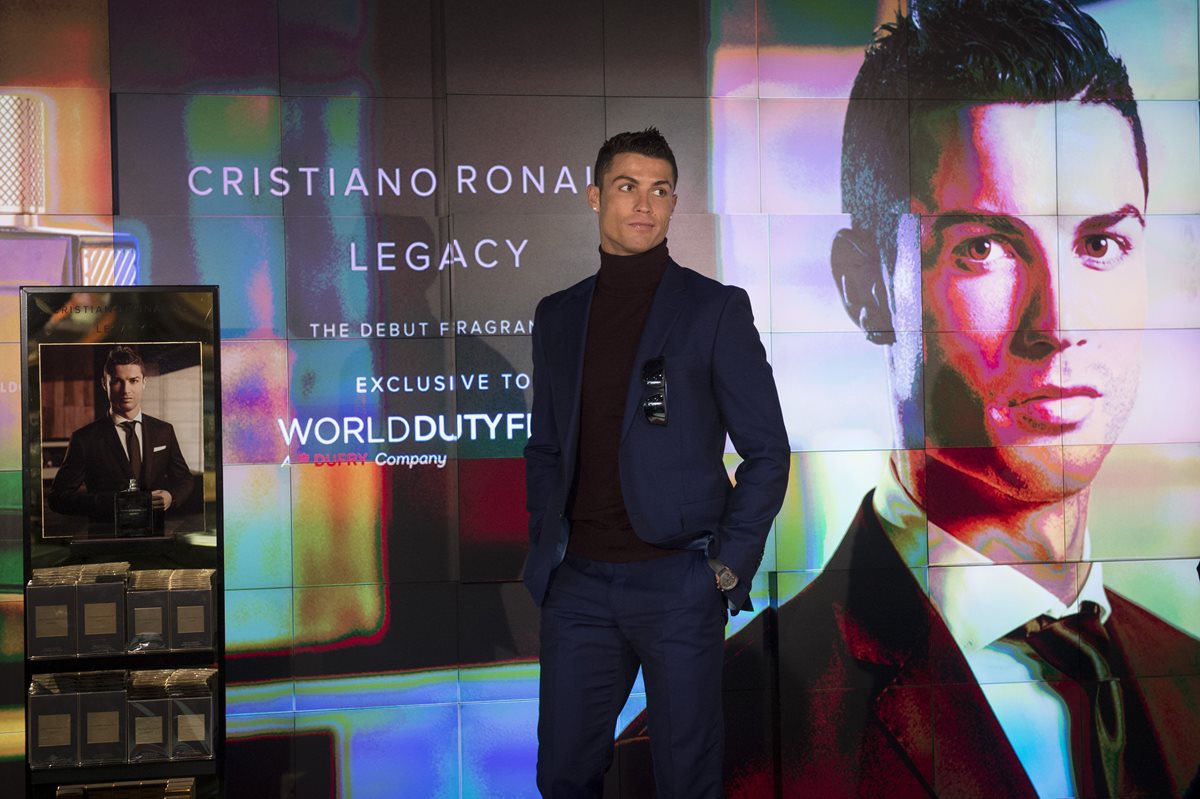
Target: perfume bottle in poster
133,512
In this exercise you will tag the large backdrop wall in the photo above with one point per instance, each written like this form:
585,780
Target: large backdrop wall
383,191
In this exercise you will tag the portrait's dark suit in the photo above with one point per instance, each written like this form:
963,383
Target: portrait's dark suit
96,466
874,698
673,481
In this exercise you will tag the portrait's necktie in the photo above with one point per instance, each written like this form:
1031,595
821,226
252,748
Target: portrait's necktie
1078,646
134,448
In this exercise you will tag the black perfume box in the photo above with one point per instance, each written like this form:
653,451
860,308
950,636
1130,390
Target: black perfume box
101,614
191,618
53,730
148,739
102,723
191,728
51,621
146,620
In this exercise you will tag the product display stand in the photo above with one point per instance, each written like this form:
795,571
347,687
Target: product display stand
124,591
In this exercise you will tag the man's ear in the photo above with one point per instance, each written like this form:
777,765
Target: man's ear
593,195
858,274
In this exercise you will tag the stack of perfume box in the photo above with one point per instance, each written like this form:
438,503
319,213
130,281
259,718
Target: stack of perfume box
106,609
76,610
105,717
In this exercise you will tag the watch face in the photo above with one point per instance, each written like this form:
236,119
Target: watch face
728,578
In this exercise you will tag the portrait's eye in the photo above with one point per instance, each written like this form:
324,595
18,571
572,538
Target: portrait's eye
980,252
980,249
1096,246
1101,250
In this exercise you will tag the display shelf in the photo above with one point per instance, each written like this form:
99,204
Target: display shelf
124,771
183,659
124,547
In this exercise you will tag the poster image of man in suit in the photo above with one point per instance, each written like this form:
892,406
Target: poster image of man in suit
127,443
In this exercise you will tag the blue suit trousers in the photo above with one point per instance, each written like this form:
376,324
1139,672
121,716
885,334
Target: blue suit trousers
599,623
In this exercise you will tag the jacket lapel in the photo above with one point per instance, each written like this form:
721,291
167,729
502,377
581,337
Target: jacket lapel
929,703
149,442
669,299
1155,662
567,346
970,754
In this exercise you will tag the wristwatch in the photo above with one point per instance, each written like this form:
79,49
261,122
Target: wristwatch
727,579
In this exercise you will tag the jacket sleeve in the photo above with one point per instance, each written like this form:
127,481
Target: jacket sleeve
744,386
68,494
542,452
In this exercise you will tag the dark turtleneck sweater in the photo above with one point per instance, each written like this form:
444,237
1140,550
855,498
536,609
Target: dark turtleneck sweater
625,286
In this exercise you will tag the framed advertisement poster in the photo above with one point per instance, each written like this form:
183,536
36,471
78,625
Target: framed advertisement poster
122,440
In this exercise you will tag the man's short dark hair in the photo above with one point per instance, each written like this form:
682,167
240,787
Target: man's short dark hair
648,142
950,53
121,355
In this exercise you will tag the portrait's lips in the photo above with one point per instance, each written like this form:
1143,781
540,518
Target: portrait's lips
1053,409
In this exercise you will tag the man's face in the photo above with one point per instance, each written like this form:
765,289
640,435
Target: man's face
124,387
1033,290
635,201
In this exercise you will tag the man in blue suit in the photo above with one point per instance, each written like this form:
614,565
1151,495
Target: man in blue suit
639,544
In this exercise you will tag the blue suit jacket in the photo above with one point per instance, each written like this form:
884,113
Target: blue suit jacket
673,480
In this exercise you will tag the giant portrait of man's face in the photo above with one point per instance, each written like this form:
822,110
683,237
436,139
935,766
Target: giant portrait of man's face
1030,317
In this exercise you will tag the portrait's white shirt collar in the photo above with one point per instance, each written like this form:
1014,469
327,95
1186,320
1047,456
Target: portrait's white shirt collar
979,605
118,419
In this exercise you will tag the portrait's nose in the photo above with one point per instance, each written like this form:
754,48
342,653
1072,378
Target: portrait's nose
1038,334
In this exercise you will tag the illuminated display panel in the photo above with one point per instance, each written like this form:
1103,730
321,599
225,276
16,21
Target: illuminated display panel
1127,315
384,193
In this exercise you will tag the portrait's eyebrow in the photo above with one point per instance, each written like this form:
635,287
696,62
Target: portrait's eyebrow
1103,221
1001,223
